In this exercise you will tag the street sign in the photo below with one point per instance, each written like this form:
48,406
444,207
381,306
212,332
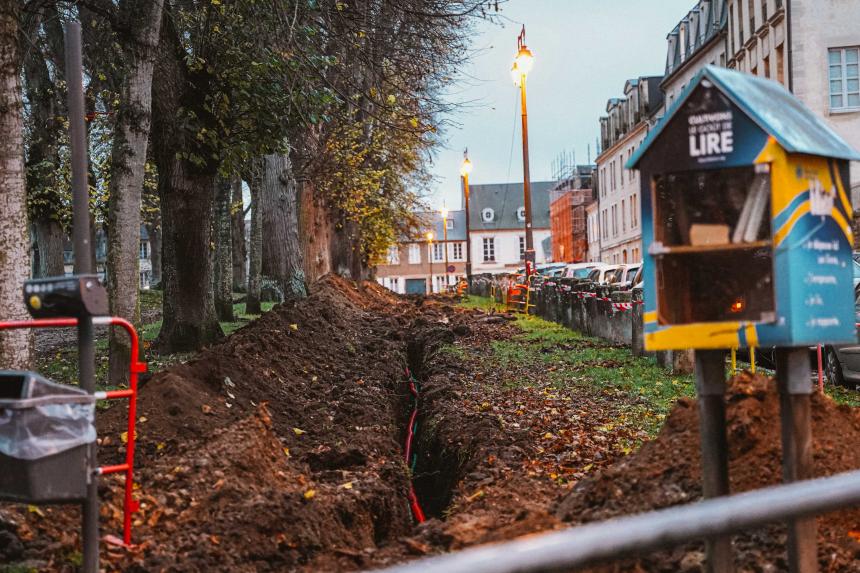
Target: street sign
451,268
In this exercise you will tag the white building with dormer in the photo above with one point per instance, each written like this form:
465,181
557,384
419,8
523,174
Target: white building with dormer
497,223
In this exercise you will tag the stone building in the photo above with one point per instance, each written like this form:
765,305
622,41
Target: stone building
622,130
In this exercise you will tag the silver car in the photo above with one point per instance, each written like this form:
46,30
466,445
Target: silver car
842,363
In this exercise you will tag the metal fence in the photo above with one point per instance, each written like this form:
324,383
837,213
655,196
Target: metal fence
638,534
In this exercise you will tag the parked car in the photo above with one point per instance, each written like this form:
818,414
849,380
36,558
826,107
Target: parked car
580,270
623,276
842,363
601,275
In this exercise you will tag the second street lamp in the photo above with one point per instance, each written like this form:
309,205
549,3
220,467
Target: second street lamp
465,169
522,66
444,212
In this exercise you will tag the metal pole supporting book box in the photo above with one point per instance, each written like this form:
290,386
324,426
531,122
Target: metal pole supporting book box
746,229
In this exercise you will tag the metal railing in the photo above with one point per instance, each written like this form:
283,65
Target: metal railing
626,536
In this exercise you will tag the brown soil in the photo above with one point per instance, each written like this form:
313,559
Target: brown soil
277,449
280,449
666,472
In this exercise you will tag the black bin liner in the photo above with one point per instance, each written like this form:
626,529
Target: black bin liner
45,433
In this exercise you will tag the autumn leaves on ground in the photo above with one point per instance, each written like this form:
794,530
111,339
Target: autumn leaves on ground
281,448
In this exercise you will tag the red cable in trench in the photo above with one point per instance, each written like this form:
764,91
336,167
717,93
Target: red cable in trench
417,513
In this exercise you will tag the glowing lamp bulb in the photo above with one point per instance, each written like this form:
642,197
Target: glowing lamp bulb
524,61
429,236
737,306
466,168
444,211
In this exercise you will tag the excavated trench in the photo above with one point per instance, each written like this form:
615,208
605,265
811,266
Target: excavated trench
437,466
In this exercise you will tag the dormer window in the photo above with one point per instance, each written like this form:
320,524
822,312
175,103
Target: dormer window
487,215
521,214
449,224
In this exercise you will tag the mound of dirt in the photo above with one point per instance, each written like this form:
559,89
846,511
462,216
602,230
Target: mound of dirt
666,472
276,449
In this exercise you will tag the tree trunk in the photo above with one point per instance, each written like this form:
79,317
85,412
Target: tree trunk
252,304
237,234
315,232
128,161
282,255
43,162
15,345
49,245
223,253
154,231
189,320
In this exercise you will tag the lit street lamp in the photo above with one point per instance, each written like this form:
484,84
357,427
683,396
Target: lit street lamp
444,212
465,169
522,66
430,243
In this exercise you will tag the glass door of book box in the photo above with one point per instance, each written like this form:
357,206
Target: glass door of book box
713,246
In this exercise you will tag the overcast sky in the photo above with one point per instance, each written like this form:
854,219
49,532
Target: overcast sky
584,52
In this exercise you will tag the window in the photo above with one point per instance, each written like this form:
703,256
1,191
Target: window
394,255
395,284
844,78
145,279
623,217
732,46
612,174
740,24
449,223
751,7
779,68
414,254
522,248
438,251
144,249
766,62
521,214
615,220
457,251
763,11
487,215
489,250
634,215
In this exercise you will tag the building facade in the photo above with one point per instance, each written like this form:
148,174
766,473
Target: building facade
568,200
811,47
698,40
497,220
593,227
416,265
145,275
625,125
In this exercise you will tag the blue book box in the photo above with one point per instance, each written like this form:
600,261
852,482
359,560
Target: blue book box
746,220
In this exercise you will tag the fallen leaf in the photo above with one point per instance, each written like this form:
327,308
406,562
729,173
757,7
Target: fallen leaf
207,409
287,452
475,496
294,326
36,510
310,494
347,485
298,432
215,540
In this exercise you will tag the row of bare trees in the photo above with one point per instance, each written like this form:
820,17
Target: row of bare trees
327,111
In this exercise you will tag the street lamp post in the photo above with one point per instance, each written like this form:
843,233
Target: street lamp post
444,212
465,169
519,71
430,243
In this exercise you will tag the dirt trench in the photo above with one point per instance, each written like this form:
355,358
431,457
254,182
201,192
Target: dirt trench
279,449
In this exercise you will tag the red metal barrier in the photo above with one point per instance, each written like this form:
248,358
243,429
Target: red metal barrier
130,505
